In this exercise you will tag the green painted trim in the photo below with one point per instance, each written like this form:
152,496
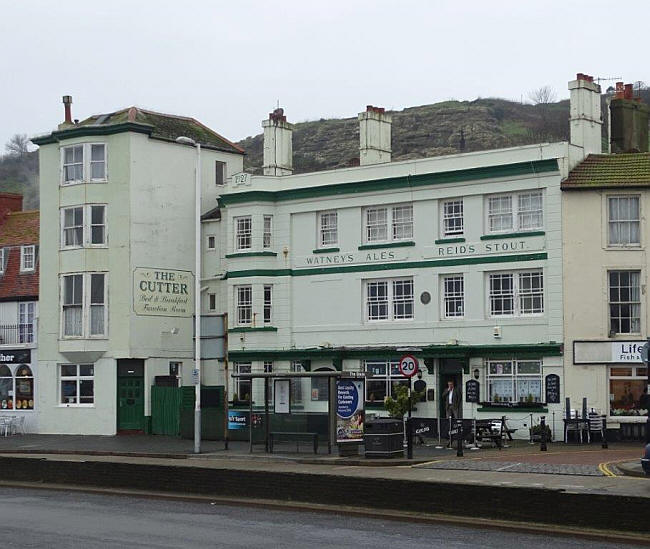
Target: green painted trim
512,235
393,183
251,254
449,240
338,364
387,245
252,329
388,266
534,350
325,250
85,131
511,410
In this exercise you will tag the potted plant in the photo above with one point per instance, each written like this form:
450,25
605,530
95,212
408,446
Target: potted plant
536,433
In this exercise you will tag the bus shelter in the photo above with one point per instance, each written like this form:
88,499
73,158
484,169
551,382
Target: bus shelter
271,377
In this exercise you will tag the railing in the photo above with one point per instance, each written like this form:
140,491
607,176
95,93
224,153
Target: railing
11,334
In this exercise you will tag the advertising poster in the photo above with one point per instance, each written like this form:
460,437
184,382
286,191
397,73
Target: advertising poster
349,410
282,394
237,420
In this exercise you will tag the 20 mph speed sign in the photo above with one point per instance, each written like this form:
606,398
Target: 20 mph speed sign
408,365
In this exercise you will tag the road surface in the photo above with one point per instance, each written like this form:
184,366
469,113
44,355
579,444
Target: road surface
43,518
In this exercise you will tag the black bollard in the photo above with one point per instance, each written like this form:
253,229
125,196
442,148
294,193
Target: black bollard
459,428
409,438
542,424
603,433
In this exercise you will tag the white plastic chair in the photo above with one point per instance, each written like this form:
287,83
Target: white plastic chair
5,424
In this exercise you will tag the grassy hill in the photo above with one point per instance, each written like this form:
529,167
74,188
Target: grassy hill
428,130
19,174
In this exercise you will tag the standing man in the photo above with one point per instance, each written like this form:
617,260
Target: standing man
453,399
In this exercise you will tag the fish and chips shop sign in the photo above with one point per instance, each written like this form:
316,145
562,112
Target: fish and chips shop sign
163,292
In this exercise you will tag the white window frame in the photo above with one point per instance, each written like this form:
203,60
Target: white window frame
391,375
86,164
638,373
448,298
627,222
244,233
241,306
86,306
391,302
630,303
224,172
457,211
27,319
268,304
242,368
13,370
208,239
515,213
212,297
78,378
87,226
514,376
2,260
28,251
518,294
328,230
391,223
267,234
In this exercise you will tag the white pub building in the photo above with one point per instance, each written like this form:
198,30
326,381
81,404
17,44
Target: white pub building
456,259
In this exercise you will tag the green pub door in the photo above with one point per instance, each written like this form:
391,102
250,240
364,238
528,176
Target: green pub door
130,395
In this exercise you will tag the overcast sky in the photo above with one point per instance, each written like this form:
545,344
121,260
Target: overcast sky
227,63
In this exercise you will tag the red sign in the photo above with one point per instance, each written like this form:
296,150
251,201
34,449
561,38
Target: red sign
408,365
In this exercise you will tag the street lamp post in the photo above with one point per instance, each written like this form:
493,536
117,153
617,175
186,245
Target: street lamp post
197,292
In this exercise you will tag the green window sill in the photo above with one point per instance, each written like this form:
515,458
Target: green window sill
325,250
512,235
387,245
253,329
252,254
449,240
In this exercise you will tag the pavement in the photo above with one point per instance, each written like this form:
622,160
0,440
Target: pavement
568,485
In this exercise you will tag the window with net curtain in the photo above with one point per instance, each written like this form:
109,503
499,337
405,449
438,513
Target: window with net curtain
623,220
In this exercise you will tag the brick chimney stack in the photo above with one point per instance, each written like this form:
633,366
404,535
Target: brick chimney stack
628,126
10,202
374,136
278,148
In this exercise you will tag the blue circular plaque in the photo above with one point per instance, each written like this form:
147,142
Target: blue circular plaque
347,399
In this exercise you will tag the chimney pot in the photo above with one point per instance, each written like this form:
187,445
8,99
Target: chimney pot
67,101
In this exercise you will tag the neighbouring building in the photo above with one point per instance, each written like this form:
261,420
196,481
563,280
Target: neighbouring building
606,200
19,269
117,258
455,259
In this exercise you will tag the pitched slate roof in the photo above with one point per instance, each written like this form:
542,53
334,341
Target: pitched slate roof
19,229
158,125
602,171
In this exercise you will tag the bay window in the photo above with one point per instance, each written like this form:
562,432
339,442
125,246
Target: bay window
83,226
243,233
83,163
244,305
83,305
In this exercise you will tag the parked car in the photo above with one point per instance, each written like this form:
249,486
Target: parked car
645,460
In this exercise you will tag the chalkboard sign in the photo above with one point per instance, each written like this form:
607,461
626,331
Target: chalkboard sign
552,389
472,390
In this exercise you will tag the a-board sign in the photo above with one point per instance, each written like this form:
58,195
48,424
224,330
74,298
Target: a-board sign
552,389
408,365
472,390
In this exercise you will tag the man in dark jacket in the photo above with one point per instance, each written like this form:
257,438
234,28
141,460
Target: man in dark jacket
453,400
